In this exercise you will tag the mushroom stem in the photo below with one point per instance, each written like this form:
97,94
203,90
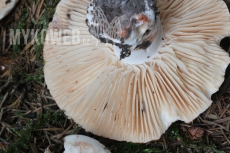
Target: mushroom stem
133,27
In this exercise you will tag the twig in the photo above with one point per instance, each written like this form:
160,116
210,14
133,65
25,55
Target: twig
47,137
225,136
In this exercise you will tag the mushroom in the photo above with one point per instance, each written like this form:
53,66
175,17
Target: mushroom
6,6
137,95
48,150
83,144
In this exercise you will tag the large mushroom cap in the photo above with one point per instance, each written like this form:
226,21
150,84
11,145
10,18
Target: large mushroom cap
6,6
137,103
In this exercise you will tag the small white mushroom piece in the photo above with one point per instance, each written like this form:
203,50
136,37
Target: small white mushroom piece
83,144
48,150
6,6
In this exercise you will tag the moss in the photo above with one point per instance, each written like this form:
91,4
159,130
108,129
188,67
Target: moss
28,23
24,73
38,76
128,147
25,135
185,142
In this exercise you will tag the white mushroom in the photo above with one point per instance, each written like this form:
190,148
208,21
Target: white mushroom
128,101
83,144
6,6
48,150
